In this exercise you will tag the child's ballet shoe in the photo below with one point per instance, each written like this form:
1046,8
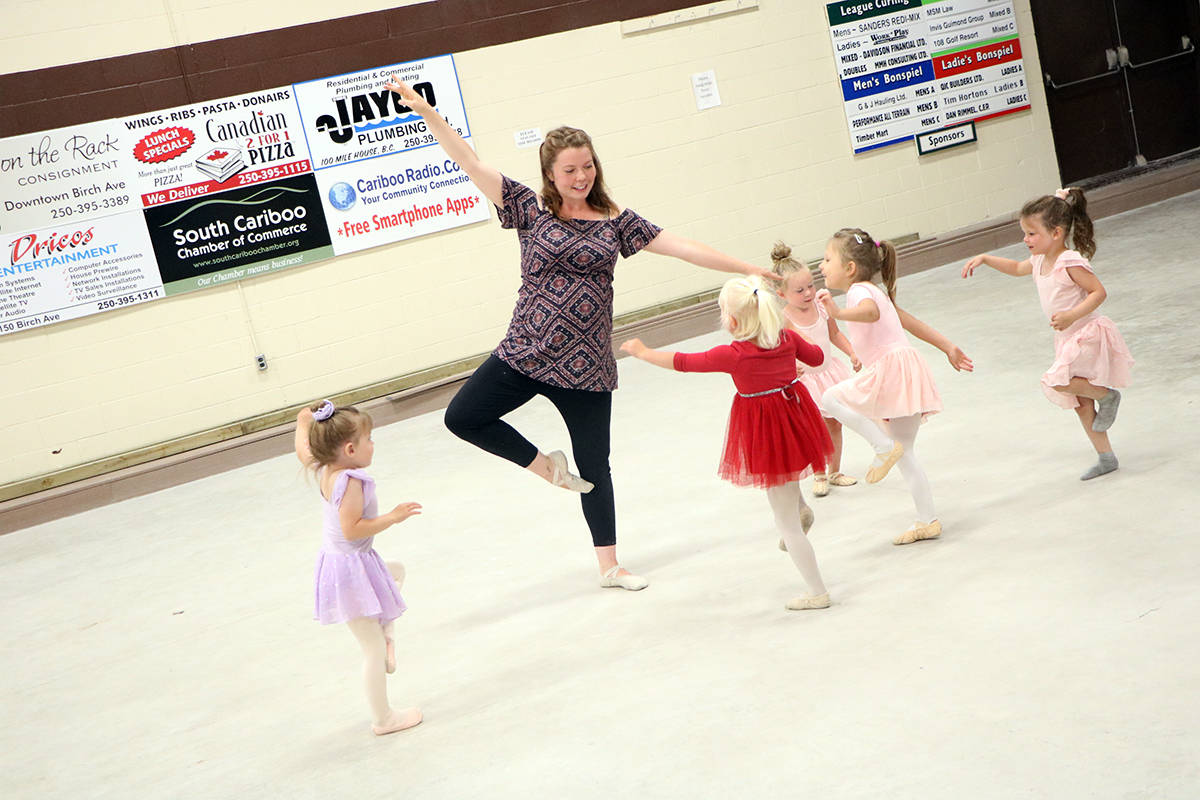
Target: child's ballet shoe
918,532
389,658
805,602
878,472
561,476
401,720
614,580
806,523
820,485
1106,411
838,479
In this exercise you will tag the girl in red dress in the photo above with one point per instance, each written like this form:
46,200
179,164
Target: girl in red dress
775,435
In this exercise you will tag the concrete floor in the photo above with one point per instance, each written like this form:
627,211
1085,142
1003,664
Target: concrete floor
1045,647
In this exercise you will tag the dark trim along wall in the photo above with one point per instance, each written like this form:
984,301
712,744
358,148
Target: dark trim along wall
88,91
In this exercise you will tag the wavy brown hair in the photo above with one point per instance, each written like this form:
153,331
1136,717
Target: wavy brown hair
1070,215
869,257
563,138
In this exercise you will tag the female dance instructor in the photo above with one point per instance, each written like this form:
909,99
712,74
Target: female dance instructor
559,342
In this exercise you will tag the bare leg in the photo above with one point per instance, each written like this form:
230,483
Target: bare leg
1107,459
369,634
1087,414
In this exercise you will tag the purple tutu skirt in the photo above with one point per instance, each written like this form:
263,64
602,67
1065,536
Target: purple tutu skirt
357,584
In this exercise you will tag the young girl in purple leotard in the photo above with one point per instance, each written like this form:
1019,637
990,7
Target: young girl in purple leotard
352,583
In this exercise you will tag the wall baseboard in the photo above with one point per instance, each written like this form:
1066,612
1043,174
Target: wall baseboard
44,498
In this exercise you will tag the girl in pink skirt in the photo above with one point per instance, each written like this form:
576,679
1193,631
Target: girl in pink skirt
1090,357
353,584
810,319
885,402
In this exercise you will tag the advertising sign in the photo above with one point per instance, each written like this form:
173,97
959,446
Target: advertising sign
73,270
381,173
908,67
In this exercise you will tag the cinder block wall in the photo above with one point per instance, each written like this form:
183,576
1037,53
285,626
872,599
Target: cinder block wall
772,162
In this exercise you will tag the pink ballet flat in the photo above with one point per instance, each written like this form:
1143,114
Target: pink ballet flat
878,472
403,720
918,532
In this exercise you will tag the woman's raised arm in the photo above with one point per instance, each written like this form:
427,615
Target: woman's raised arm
487,179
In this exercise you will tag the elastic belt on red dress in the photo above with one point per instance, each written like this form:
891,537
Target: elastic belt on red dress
769,391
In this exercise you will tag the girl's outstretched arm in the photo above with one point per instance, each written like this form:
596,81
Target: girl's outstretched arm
487,179
1006,265
304,421
351,509
927,333
700,254
840,341
659,358
1061,320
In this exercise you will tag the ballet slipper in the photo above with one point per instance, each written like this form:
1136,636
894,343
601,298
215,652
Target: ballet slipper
399,721
389,659
614,580
840,479
806,523
806,602
918,532
878,472
820,485
561,476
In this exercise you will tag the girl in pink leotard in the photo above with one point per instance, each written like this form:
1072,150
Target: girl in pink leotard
1090,356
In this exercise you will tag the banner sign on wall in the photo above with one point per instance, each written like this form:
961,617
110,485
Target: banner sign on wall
381,175
112,213
76,269
64,175
908,67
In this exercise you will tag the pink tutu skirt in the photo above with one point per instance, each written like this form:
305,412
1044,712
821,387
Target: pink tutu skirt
897,384
1095,351
832,372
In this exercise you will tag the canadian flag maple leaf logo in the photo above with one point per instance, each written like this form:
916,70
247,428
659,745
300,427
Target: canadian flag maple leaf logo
217,155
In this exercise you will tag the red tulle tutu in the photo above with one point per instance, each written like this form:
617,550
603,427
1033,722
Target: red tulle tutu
774,439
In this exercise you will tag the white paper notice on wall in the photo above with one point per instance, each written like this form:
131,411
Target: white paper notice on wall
530,137
704,85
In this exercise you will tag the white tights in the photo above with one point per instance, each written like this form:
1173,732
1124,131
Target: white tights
787,501
900,429
372,636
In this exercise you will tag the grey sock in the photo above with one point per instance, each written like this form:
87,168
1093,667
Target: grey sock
1106,464
1106,411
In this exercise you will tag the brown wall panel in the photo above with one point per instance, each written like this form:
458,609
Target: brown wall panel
75,93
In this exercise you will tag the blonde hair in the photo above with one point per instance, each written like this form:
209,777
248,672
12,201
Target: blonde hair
564,138
869,257
326,437
755,310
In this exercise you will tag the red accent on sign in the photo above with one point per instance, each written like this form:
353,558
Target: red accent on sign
160,196
163,145
976,58
217,155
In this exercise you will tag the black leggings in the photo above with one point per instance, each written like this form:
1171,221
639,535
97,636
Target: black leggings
496,389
